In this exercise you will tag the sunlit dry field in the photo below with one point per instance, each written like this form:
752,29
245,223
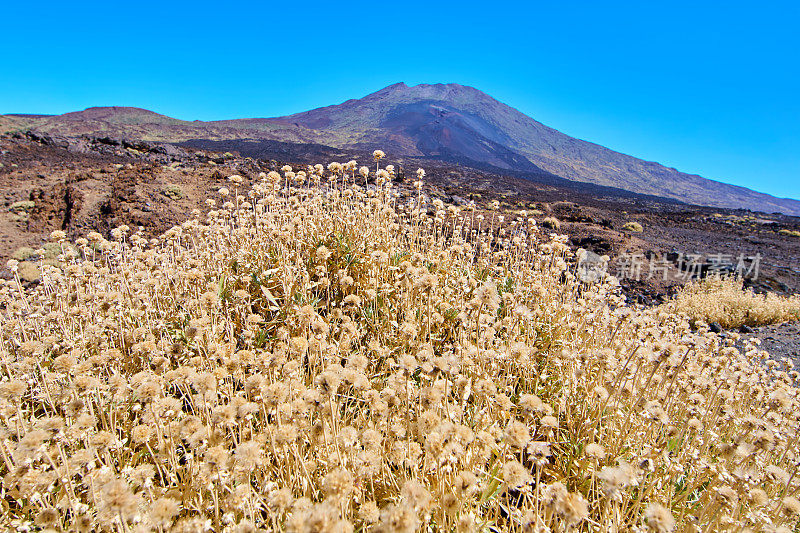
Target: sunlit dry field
314,356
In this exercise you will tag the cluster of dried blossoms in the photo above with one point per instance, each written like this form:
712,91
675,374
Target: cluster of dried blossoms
315,356
725,301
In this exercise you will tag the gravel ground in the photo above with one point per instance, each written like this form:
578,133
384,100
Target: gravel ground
781,340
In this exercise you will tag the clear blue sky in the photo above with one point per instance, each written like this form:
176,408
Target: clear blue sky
707,87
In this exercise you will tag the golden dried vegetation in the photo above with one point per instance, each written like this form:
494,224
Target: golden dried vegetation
725,301
633,227
316,356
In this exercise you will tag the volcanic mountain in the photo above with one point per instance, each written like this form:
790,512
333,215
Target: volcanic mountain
448,122
451,121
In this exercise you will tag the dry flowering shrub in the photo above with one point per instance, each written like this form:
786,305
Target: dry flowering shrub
551,223
314,356
725,301
633,226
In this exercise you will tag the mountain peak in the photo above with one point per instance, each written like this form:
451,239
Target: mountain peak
110,110
120,115
394,87
432,91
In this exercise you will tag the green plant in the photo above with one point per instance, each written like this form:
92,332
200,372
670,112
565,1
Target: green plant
173,192
633,226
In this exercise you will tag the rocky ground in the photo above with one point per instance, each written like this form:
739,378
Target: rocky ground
780,340
48,184
97,183
81,184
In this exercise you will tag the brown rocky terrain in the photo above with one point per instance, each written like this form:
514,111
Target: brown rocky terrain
783,339
97,183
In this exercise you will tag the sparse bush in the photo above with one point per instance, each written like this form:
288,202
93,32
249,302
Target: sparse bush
319,359
22,253
551,223
725,301
633,226
23,206
20,211
52,251
790,233
28,271
173,192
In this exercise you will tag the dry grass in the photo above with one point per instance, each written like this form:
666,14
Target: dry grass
551,223
314,357
725,301
633,226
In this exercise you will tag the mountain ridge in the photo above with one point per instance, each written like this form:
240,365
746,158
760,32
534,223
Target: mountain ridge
554,151
440,121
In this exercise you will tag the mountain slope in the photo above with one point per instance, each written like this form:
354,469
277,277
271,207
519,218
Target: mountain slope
141,124
448,122
437,120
